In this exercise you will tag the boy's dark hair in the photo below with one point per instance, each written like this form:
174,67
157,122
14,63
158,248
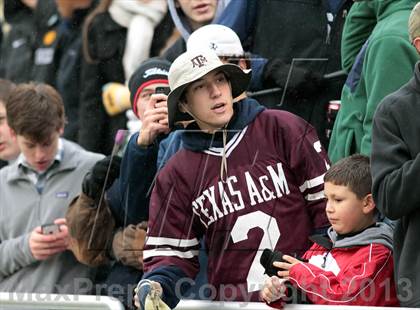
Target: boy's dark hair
354,172
6,88
35,111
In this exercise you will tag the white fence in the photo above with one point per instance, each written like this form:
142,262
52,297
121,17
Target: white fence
9,301
23,301
207,305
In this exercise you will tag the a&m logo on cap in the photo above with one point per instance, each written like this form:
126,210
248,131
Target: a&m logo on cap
199,61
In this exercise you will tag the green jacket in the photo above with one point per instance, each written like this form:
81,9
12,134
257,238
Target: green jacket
379,58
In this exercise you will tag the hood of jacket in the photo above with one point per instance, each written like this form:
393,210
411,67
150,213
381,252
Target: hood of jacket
361,21
181,22
244,112
379,233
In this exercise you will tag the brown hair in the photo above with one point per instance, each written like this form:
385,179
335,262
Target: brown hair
35,111
6,88
353,172
102,7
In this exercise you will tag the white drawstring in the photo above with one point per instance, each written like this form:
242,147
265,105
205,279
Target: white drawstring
223,164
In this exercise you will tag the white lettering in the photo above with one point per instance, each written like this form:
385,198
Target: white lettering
204,211
155,71
225,200
279,180
252,190
210,195
238,194
266,193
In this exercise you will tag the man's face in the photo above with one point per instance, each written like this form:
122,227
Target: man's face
144,98
39,155
9,148
209,101
198,12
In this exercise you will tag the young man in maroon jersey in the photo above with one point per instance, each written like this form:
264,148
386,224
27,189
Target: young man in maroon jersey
247,179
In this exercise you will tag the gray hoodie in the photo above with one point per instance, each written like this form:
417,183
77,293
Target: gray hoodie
381,233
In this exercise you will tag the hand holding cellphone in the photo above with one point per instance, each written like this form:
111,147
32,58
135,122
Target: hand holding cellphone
50,229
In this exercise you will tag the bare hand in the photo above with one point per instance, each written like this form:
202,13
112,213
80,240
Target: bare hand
44,246
288,263
155,120
273,289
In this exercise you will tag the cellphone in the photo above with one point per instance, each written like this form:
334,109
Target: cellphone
50,229
162,90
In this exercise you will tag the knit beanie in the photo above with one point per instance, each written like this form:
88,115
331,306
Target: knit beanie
151,71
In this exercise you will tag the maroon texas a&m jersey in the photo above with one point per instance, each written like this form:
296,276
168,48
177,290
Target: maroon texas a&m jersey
272,197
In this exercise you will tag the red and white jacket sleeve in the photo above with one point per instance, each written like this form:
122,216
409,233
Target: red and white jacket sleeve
366,278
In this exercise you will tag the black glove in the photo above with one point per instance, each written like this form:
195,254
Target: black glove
94,180
302,83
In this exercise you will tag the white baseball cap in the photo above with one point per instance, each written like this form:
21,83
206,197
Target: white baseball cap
223,40
193,65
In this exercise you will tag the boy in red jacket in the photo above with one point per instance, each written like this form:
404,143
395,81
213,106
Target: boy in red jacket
354,264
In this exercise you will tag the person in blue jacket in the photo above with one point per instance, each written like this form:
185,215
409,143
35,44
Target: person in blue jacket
117,197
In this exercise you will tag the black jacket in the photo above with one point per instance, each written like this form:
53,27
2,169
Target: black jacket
106,42
58,61
395,171
17,45
299,29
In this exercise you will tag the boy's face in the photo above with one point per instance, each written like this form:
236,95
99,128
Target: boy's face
198,12
39,155
345,211
209,101
9,148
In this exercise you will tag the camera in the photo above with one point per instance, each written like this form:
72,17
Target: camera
267,259
162,90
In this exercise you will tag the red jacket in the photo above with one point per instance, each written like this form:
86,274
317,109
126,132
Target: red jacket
348,274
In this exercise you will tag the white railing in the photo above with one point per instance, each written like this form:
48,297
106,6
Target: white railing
22,301
207,305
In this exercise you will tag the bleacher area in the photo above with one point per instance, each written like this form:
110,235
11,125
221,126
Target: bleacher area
9,301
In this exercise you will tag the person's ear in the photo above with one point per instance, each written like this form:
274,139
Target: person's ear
416,43
368,204
61,131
